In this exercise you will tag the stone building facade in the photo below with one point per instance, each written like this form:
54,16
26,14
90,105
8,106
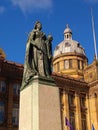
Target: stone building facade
10,81
77,82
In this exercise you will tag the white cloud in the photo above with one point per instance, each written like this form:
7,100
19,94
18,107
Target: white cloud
30,5
2,9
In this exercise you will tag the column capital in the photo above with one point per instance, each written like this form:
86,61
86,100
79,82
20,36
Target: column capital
77,93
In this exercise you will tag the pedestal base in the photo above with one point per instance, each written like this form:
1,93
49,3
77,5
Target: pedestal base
40,106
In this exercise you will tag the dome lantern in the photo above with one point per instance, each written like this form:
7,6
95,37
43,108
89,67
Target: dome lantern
67,33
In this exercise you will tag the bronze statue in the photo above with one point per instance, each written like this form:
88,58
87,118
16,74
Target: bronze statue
49,51
38,55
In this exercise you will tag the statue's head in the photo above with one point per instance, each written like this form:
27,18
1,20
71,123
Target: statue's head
38,25
49,37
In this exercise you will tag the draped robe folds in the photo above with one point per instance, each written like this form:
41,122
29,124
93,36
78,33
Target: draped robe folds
36,59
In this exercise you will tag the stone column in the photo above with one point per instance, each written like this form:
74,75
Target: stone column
80,65
65,108
97,110
61,65
75,66
78,112
88,118
94,110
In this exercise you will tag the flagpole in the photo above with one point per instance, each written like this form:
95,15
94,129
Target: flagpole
93,127
95,47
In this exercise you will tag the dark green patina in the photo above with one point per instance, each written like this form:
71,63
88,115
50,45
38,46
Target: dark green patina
38,57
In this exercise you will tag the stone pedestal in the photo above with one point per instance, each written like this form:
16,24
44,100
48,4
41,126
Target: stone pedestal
40,106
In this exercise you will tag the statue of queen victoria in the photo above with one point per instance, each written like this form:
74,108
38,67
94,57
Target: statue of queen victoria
38,55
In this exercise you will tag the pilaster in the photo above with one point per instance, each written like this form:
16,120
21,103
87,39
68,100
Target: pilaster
88,117
10,106
80,64
94,110
65,108
78,112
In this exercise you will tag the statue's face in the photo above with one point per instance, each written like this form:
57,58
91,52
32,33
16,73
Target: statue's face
39,26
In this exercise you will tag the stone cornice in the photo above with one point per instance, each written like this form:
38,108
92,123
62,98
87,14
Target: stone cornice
93,89
94,64
69,83
94,83
11,69
69,54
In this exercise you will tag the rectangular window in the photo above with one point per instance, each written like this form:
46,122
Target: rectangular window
72,119
66,64
83,101
82,65
71,99
58,67
15,115
2,86
1,112
83,121
79,64
16,89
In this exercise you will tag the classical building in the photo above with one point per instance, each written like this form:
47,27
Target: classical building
76,79
78,83
10,81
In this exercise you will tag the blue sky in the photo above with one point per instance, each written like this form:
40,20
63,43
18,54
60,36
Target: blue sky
17,17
